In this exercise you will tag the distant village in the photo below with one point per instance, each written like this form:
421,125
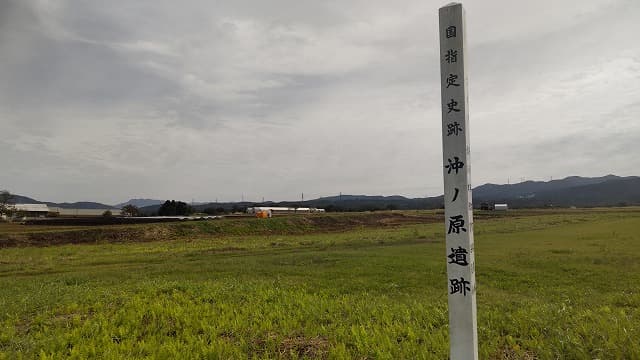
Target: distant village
24,211
35,211
43,210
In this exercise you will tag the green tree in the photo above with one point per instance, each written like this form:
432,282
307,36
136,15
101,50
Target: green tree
130,210
5,199
175,208
107,213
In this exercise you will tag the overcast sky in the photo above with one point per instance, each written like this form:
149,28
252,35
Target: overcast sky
205,100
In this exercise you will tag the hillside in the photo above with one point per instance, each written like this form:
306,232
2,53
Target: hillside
530,189
140,203
609,190
21,199
80,205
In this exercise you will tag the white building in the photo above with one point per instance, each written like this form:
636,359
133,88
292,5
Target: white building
83,212
42,210
29,210
501,207
283,210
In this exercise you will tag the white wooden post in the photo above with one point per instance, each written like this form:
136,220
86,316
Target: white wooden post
461,283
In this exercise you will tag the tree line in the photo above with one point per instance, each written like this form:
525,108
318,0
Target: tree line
168,208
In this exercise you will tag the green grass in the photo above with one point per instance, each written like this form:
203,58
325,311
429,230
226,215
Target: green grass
551,285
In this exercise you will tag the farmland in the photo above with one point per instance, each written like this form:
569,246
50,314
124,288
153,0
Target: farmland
551,285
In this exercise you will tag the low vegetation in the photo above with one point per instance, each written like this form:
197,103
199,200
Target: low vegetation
551,285
13,234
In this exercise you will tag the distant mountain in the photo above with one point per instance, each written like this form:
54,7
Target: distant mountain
333,203
614,192
20,199
607,190
361,197
140,203
570,191
529,189
80,205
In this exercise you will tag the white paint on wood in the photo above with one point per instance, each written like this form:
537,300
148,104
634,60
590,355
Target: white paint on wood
461,283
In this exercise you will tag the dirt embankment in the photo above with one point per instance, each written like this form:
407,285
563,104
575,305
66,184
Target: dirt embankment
33,235
91,235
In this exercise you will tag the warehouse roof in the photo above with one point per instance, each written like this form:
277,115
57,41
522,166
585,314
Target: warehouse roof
31,207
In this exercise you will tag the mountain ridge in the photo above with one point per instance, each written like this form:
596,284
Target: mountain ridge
139,203
608,190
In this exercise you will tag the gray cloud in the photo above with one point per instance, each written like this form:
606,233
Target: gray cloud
106,101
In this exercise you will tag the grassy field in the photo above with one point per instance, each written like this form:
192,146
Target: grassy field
551,285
